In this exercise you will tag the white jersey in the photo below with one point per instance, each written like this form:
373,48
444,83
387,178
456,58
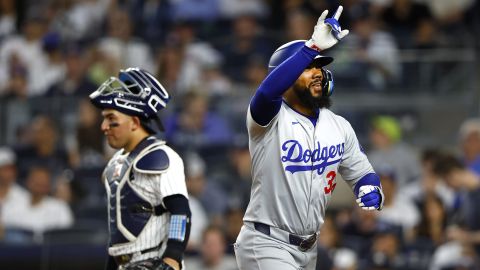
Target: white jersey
294,168
150,188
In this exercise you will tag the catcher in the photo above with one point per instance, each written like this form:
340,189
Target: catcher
149,214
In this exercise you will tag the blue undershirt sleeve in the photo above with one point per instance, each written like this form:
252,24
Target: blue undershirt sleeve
369,179
266,102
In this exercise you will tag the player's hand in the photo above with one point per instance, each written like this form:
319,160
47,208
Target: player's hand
172,263
370,197
327,32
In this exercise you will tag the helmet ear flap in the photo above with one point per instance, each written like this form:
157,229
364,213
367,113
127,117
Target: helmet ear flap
327,83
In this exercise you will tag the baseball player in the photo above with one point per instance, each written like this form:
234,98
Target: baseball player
149,214
298,146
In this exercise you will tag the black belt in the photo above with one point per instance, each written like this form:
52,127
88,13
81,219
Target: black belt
303,244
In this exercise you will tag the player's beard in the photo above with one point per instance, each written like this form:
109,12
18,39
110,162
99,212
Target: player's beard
309,101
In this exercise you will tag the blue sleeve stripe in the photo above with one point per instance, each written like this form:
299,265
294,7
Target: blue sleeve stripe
178,225
267,100
369,179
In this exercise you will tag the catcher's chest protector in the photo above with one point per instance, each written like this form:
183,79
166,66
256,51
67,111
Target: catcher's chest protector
128,211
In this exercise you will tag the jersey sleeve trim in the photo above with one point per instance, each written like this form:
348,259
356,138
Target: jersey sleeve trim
256,130
258,124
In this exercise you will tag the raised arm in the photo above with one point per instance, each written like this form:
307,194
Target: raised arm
267,100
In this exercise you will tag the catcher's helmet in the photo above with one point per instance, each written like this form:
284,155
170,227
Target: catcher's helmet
288,49
135,92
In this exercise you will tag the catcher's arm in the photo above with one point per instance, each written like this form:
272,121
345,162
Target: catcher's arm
179,232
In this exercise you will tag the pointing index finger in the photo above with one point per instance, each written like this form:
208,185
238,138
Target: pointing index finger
338,12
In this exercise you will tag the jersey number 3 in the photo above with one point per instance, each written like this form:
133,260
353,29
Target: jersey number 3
331,185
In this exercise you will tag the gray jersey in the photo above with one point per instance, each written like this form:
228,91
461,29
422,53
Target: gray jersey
126,185
295,165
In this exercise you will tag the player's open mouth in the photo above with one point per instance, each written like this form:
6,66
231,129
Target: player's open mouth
317,87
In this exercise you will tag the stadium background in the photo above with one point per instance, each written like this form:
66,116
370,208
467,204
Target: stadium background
406,77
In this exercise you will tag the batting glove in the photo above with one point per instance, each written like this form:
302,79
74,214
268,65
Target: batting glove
370,197
327,32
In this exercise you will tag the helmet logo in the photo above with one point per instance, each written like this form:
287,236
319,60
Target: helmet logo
154,101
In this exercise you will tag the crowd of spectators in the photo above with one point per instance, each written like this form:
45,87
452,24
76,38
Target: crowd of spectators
211,55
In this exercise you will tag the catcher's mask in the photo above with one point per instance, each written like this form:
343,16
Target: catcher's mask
135,92
288,49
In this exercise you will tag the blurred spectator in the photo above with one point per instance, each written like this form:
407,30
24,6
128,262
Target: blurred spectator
80,20
27,48
470,143
369,55
212,252
234,105
413,26
43,148
102,66
450,16
359,231
121,47
151,19
195,126
213,82
233,224
455,256
247,39
448,11
42,212
85,148
17,85
12,196
199,61
201,222
433,223
331,254
410,22
388,148
75,83
385,252
55,69
201,10
421,242
299,25
234,8
8,177
398,209
467,185
8,18
283,8
170,59
345,259
430,184
236,177
212,197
